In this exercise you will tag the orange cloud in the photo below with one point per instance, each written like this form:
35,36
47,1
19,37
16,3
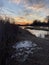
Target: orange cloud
22,21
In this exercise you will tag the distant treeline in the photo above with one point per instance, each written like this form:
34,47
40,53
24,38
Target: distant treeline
39,23
36,23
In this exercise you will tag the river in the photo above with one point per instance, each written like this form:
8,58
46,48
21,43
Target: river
39,33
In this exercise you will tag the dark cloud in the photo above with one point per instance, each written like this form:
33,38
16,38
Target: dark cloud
37,3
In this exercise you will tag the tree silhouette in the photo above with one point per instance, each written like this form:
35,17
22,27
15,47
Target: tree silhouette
47,19
39,23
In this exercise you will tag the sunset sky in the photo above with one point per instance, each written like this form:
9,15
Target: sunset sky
25,10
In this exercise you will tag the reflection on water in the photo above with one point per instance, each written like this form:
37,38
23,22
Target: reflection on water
39,33
24,49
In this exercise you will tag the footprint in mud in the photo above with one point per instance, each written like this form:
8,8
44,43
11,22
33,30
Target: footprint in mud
25,48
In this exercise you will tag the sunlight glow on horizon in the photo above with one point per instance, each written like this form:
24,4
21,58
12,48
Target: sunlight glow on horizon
25,11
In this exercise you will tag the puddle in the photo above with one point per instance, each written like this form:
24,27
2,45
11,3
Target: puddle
24,48
24,44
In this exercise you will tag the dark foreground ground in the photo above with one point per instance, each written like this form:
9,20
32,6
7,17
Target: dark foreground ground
9,35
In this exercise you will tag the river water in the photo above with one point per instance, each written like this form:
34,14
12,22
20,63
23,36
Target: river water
39,33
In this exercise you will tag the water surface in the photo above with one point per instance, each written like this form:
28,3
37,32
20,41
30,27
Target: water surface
39,33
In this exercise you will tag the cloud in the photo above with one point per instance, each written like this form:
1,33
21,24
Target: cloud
33,8
15,1
37,5
22,20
